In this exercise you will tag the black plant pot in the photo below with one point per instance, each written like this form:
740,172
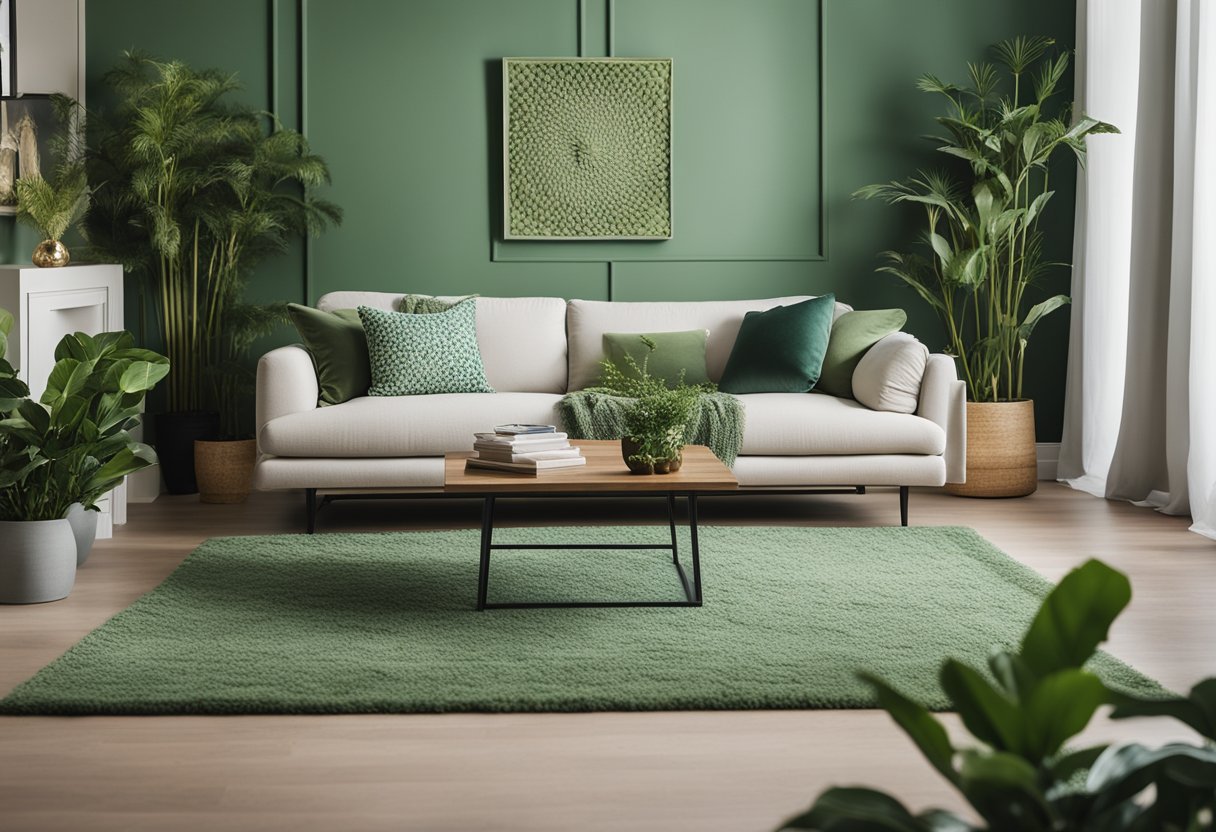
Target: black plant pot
175,435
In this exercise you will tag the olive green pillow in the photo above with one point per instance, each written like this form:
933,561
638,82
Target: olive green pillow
853,334
673,352
422,354
780,350
427,304
338,347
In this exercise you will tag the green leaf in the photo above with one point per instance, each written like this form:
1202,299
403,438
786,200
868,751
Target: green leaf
142,375
1075,618
1123,771
856,809
68,413
138,354
1059,708
36,415
1197,710
1066,765
920,725
986,712
1037,206
6,324
78,345
1012,674
12,392
942,248
1004,789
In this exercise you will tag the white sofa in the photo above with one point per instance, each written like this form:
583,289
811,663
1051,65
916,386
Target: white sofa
534,350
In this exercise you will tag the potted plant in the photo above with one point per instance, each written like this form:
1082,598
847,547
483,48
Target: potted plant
53,205
984,249
192,191
656,422
1021,773
70,447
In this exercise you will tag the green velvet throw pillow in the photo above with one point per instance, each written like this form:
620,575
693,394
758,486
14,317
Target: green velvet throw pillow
414,355
673,352
338,347
852,336
780,350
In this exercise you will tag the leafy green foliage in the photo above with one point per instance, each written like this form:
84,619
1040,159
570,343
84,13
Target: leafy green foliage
982,244
54,204
658,419
1023,712
192,193
74,444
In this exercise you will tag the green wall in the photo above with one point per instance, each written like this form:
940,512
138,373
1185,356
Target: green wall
783,108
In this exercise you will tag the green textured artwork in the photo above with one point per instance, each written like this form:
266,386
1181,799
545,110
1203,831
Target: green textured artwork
587,148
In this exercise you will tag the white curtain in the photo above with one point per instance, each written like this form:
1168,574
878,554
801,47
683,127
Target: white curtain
1140,412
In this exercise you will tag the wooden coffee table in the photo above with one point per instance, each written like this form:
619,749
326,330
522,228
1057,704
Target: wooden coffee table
604,475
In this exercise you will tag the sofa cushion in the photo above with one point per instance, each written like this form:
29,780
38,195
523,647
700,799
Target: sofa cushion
418,355
676,355
852,335
888,376
522,340
588,320
780,350
338,347
392,426
788,424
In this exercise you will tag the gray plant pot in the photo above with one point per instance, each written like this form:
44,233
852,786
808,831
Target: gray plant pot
84,527
37,561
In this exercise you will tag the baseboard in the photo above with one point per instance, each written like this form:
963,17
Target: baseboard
1048,454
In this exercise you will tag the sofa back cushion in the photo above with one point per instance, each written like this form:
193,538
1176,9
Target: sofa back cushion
522,340
588,320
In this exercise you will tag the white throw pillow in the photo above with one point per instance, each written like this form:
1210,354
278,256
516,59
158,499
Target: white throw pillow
889,374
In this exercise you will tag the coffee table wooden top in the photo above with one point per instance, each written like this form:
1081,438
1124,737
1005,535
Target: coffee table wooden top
604,472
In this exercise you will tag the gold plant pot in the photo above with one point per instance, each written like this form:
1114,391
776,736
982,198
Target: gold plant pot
666,466
51,254
224,469
1001,459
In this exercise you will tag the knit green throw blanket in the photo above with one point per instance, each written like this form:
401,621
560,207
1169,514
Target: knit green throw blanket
717,421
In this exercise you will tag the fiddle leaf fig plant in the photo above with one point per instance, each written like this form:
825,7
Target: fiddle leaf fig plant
74,443
1021,774
982,250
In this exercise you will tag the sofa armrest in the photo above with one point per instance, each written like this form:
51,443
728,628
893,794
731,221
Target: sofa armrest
943,400
287,383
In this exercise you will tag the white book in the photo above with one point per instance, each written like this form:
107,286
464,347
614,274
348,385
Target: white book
532,467
548,445
516,441
507,456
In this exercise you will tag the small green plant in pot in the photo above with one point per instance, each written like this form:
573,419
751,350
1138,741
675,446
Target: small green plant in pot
982,255
52,205
66,449
656,423
1021,774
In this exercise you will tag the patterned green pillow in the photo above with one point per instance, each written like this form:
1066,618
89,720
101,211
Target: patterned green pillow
427,304
415,355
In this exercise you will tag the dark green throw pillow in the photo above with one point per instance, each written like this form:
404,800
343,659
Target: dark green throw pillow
852,336
780,350
673,352
338,347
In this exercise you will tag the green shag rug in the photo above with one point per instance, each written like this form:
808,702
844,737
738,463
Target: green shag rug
384,623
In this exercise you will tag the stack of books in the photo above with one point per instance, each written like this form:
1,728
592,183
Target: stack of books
525,449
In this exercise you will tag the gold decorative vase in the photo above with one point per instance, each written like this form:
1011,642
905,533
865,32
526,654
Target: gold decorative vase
224,468
51,254
1001,460
667,466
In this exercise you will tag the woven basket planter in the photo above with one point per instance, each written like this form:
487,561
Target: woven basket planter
224,469
1001,459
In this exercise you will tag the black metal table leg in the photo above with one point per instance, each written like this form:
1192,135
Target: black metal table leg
671,521
487,541
696,550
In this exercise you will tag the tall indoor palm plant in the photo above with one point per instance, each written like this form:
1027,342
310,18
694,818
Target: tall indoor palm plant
983,247
191,192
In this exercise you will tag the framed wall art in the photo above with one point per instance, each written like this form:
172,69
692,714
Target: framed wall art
587,148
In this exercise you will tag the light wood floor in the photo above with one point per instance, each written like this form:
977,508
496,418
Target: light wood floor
608,771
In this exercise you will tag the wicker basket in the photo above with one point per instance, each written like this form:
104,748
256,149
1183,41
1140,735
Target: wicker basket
224,469
1001,459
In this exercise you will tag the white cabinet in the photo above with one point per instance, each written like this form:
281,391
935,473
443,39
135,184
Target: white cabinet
47,304
44,48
